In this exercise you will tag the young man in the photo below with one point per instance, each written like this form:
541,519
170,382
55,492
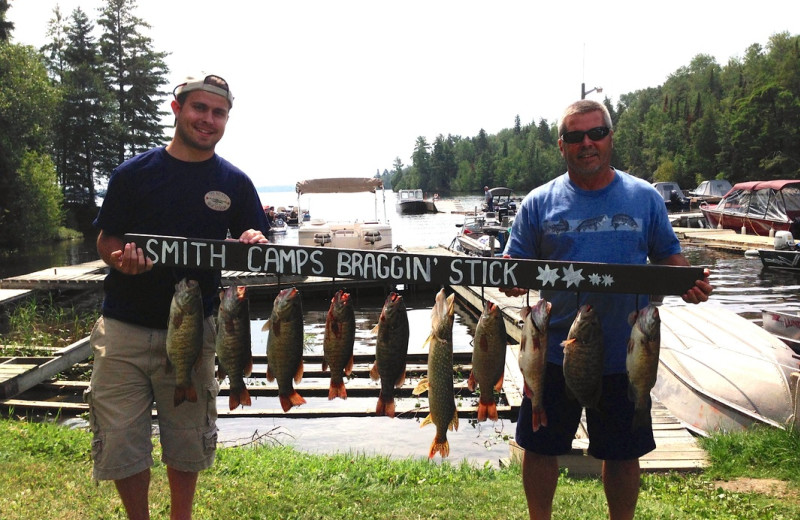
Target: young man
183,189
590,198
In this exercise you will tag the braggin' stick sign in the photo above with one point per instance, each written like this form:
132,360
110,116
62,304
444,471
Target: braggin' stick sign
397,267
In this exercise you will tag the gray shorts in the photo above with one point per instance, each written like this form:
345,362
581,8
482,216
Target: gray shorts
128,376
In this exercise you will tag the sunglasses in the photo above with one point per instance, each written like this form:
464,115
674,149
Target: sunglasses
595,134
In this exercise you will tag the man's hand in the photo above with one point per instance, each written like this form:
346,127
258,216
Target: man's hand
130,260
253,236
701,290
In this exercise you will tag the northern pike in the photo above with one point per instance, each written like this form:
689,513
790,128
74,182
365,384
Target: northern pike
439,383
533,356
644,347
488,360
391,350
285,346
337,344
233,343
584,357
185,338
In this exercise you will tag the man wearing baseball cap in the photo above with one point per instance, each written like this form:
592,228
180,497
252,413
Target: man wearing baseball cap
182,189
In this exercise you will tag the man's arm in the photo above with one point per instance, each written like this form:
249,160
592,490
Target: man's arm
702,288
125,258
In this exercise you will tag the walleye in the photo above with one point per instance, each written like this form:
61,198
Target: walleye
583,358
233,343
391,350
488,360
644,346
185,338
439,383
337,344
533,356
285,346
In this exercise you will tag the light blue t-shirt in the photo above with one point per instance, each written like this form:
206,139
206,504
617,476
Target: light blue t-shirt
624,223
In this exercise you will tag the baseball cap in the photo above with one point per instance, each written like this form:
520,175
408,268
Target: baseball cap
210,83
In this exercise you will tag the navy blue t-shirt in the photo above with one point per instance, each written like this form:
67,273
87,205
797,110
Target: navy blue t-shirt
156,194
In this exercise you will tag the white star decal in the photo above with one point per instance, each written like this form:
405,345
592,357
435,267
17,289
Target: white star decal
547,275
572,277
595,279
608,280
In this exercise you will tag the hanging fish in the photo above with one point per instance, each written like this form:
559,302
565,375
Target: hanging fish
391,350
488,360
584,357
337,344
533,356
185,338
233,343
285,346
644,347
439,383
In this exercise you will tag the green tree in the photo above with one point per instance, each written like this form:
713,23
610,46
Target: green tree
5,26
27,102
135,73
35,200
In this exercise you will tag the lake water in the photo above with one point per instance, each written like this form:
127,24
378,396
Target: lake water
741,285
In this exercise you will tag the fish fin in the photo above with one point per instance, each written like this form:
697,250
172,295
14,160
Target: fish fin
248,367
221,373
523,344
499,385
539,418
373,372
324,365
385,407
527,390
293,399
472,384
400,380
492,411
242,398
299,374
421,387
567,342
453,426
632,317
349,368
267,325
184,394
270,375
428,420
375,329
428,340
482,411
337,390
441,447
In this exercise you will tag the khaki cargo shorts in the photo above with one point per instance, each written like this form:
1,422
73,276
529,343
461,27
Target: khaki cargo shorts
128,376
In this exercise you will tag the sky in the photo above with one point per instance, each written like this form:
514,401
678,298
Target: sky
341,88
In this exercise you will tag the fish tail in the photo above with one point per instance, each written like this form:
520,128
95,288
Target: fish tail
539,418
439,446
472,383
182,394
293,399
241,398
337,390
373,372
385,407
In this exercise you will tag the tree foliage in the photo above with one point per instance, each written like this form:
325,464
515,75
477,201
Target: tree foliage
740,121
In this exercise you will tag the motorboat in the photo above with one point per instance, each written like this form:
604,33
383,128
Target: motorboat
710,191
483,234
720,371
412,202
278,226
503,202
371,234
757,207
673,196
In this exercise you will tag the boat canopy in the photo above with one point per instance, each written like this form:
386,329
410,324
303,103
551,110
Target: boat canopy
777,200
339,185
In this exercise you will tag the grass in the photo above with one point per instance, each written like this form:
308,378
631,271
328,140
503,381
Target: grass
45,472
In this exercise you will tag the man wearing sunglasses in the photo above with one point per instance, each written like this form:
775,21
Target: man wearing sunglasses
592,213
183,189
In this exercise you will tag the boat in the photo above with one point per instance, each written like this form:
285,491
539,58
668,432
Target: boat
720,371
412,202
673,196
483,234
372,234
503,202
784,326
278,226
757,207
710,191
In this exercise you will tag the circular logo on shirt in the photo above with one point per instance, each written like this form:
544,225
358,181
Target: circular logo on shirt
217,201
